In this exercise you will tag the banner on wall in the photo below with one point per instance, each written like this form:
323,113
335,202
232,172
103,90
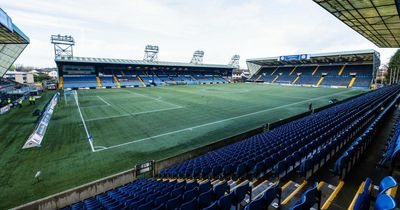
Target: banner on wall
294,57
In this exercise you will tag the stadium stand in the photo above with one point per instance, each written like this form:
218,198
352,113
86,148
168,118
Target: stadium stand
300,146
341,69
80,72
76,81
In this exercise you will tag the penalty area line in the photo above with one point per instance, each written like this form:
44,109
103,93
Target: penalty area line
219,121
102,99
133,114
157,99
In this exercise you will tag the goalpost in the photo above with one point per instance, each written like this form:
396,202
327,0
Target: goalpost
69,96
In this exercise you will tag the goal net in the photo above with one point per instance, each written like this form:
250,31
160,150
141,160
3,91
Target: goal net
69,96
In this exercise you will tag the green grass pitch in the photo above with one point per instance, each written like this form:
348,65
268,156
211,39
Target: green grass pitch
134,125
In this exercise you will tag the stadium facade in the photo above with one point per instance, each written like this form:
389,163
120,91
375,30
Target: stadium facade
337,69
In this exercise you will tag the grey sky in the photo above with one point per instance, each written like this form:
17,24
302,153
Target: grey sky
121,29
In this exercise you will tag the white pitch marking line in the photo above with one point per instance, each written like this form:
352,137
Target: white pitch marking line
134,113
102,99
94,106
84,123
100,147
157,99
283,96
219,121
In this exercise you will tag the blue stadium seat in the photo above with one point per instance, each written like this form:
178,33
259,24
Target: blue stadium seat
162,199
311,197
387,183
227,170
173,203
177,192
257,204
258,169
274,192
212,206
216,171
146,206
226,201
385,202
240,170
300,204
189,205
363,199
205,186
190,194
191,185
220,189
205,199
240,193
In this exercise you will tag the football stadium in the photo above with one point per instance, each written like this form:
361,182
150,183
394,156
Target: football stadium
317,130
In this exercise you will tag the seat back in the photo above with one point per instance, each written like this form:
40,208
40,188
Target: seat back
240,193
146,206
216,171
191,185
173,203
272,193
220,189
384,202
213,206
362,202
205,186
162,199
257,204
190,205
258,168
178,191
189,195
300,204
386,184
240,170
225,202
206,198
311,195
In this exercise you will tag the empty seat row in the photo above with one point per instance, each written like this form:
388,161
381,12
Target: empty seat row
265,200
152,194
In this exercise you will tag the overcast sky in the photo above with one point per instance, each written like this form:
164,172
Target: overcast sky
221,28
